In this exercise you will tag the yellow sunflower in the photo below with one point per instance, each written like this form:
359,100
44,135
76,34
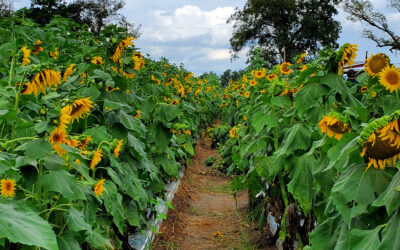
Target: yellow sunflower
247,94
43,79
68,72
284,68
27,53
174,102
78,109
99,188
390,78
232,132
57,138
303,68
258,73
7,187
96,158
97,60
346,56
54,54
334,124
37,46
363,89
301,58
271,76
27,89
253,82
376,63
381,141
117,149
138,114
373,94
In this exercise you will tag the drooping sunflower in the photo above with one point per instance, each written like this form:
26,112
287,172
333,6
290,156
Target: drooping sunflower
271,76
376,63
43,79
303,68
99,188
284,68
346,56
97,60
301,58
174,102
57,138
54,54
84,143
7,187
68,72
37,46
381,141
118,148
27,53
138,114
96,158
334,124
27,89
390,78
78,109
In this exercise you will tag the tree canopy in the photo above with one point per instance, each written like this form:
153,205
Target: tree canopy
282,29
363,11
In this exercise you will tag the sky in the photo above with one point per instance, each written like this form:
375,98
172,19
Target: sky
195,32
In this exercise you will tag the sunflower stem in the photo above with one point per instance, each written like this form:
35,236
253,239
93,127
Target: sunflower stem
39,184
13,60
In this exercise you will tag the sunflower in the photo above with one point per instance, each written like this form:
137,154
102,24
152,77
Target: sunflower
43,79
78,109
245,118
138,114
118,148
303,68
381,141
258,73
97,60
68,72
253,82
390,78
271,76
247,94
363,89
373,94
64,120
334,124
376,63
283,68
27,53
82,145
96,158
54,54
99,188
232,132
187,132
174,102
346,56
7,187
38,48
301,58
244,78
27,89
57,138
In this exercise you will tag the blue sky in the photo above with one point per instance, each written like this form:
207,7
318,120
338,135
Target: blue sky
195,32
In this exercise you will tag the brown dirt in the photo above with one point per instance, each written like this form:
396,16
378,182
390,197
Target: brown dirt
203,206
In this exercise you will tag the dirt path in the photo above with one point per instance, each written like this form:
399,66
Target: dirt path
206,216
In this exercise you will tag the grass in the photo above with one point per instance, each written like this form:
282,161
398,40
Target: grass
225,188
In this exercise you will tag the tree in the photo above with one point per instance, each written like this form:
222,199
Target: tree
229,74
363,11
6,8
282,29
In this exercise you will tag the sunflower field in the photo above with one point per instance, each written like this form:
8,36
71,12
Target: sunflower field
90,132
317,152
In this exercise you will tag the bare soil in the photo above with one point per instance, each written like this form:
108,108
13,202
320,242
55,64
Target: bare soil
205,215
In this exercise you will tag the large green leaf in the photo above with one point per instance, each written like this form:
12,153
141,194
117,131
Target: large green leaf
38,149
301,184
26,227
345,152
308,96
137,145
365,239
390,235
162,135
98,241
68,242
166,113
259,120
99,134
113,204
356,189
104,76
63,182
76,221
390,197
297,137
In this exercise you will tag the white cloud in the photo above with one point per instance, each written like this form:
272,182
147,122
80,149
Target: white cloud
188,22
216,54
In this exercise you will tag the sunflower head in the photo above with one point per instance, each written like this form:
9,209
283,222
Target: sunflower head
389,77
346,56
7,187
98,188
78,109
284,68
334,124
247,94
376,63
301,58
271,76
117,149
96,158
363,89
232,132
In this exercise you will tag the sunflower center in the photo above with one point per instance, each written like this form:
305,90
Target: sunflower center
76,109
392,78
382,149
8,186
377,64
338,127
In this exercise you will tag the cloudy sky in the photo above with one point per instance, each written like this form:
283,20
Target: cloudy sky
195,32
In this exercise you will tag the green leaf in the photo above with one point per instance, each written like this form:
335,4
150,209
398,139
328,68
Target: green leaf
23,226
63,182
390,235
171,167
99,134
390,197
129,122
365,239
333,233
104,76
38,149
356,189
162,135
113,204
308,96
301,184
259,120
98,241
68,242
166,113
281,101
137,145
91,92
76,221
345,152
297,137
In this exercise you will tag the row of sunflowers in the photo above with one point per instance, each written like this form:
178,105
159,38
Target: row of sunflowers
90,132
317,152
